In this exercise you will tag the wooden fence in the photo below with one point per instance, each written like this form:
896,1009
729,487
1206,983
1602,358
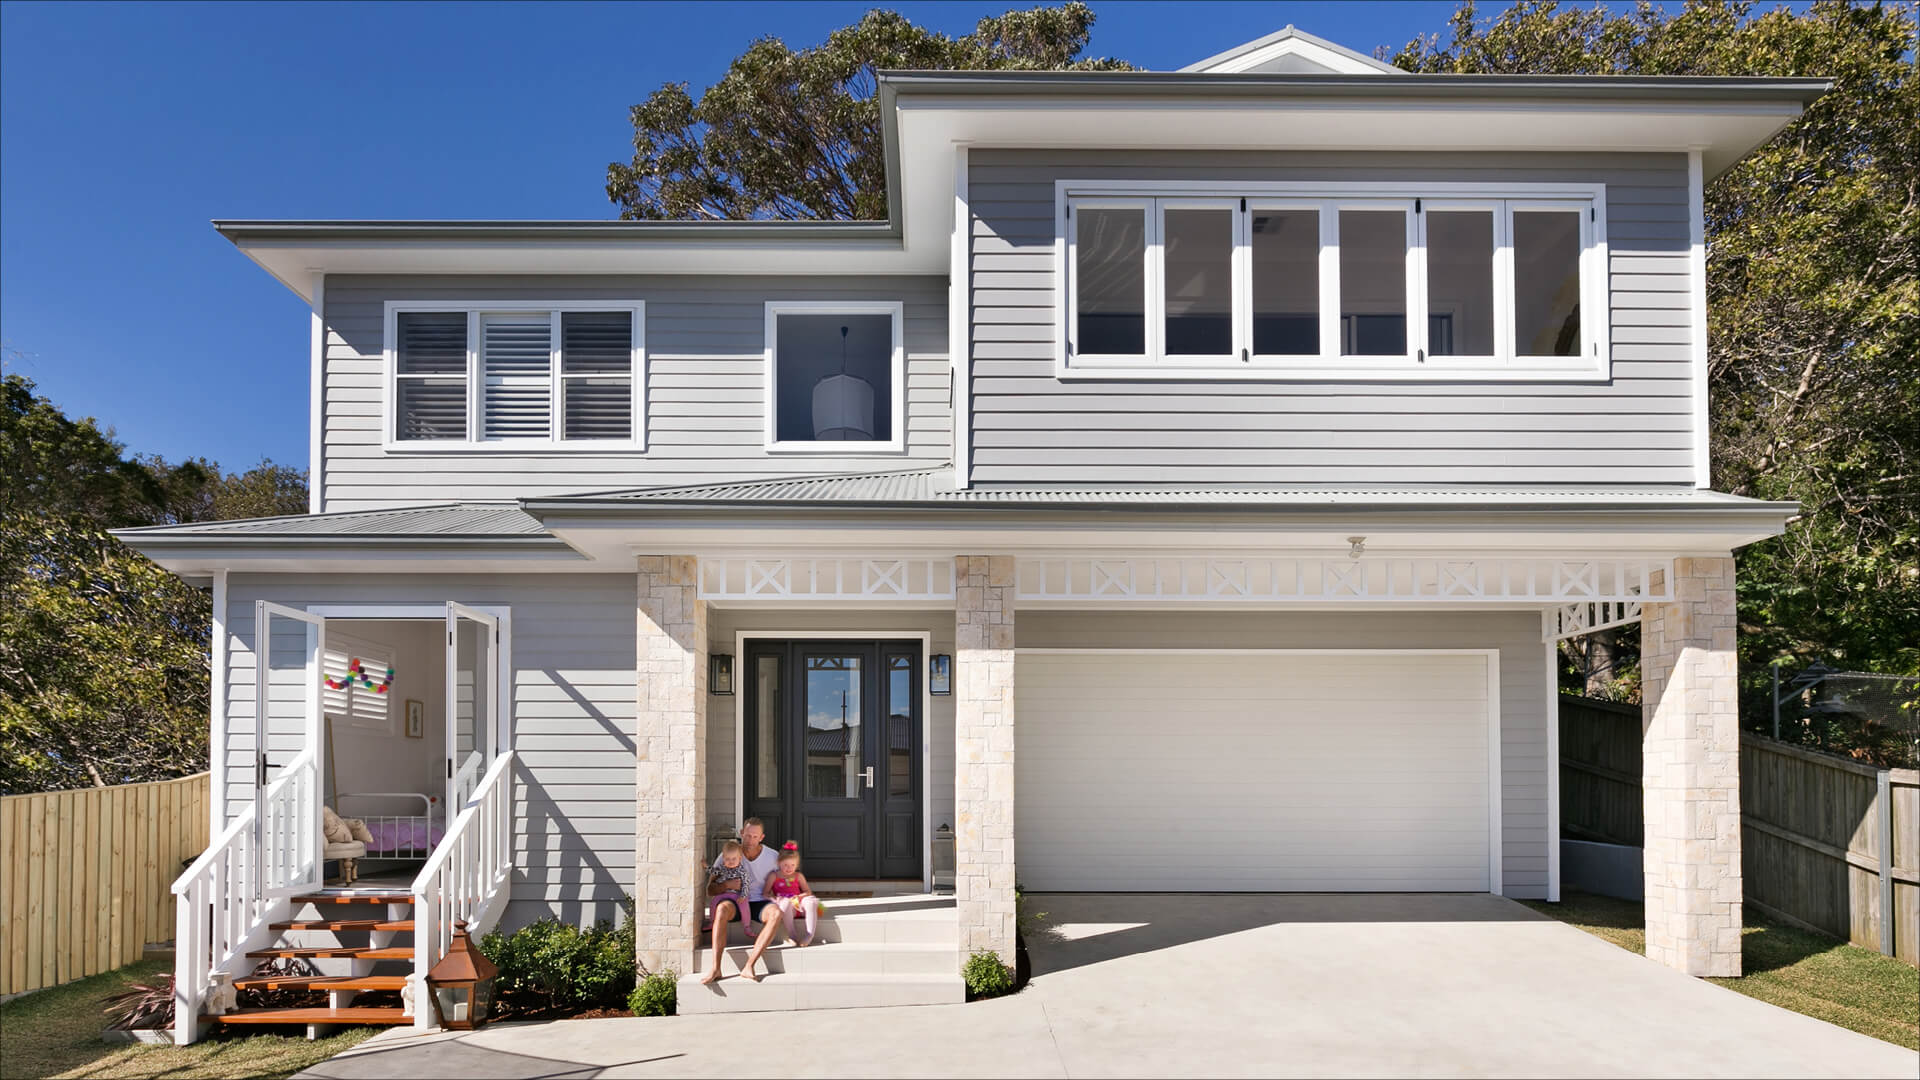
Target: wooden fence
1816,829
85,876
1817,834
1600,772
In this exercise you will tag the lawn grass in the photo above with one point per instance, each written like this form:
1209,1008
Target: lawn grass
1808,972
56,1033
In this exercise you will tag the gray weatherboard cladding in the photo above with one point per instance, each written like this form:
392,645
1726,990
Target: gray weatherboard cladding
1029,427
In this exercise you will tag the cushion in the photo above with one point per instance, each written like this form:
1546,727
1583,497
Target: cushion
333,828
352,849
359,830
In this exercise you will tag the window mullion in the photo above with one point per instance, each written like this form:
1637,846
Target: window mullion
1330,343
474,381
1416,269
1156,273
1243,282
555,406
1504,348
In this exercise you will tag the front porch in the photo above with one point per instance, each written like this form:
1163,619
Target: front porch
691,752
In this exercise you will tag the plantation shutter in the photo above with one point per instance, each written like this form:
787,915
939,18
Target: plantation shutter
355,703
596,363
516,361
430,375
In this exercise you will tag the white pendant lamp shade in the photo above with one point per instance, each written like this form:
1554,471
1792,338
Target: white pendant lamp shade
842,409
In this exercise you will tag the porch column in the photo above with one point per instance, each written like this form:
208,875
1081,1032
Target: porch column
670,748
1690,778
983,752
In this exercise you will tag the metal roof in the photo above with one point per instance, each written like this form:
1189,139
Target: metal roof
934,487
478,522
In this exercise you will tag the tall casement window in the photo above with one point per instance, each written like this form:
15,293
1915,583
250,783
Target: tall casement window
835,377
1367,281
516,374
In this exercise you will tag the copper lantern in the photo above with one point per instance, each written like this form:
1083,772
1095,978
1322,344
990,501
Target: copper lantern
462,984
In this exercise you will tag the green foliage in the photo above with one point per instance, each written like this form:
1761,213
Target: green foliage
788,134
1813,247
103,655
986,975
655,996
550,965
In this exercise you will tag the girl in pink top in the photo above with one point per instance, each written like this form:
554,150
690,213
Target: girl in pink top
788,889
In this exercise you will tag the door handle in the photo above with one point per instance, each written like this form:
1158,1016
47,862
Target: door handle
868,773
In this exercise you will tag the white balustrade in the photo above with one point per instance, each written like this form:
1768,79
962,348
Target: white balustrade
226,899
1369,579
465,879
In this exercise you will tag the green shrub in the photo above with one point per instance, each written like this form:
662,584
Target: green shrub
986,975
551,965
655,995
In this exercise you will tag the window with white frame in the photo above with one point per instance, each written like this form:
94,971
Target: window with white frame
537,374
836,374
1283,280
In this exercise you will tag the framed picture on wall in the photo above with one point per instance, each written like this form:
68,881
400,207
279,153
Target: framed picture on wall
416,720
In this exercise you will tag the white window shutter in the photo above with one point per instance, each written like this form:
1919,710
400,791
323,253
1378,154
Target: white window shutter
516,360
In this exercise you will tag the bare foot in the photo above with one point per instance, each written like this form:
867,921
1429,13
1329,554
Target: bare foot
806,941
753,975
711,977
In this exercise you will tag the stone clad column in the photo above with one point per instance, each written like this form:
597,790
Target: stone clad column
1690,780
670,749
983,752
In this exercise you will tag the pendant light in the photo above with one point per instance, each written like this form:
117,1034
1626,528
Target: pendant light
843,404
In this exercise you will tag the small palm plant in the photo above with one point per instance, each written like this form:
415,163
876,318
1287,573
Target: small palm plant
142,1006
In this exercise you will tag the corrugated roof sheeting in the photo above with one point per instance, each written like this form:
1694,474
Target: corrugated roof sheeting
504,520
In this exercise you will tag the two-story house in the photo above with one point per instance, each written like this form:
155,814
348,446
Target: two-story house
1205,462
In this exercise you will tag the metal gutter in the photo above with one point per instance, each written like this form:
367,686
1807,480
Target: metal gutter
746,232
1673,89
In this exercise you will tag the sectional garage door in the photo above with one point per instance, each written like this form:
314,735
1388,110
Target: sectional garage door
1169,771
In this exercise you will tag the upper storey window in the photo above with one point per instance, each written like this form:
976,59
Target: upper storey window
836,377
519,374
1362,281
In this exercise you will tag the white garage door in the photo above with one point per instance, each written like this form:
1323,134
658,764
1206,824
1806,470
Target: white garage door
1252,772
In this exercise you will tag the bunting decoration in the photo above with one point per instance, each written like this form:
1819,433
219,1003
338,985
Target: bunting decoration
357,672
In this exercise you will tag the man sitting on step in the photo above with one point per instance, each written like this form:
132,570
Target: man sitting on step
759,861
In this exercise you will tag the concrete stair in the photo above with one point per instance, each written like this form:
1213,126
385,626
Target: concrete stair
893,950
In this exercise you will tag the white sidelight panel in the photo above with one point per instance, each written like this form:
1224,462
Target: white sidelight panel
1257,771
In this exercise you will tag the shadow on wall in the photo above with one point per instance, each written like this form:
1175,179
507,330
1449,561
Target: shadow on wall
554,855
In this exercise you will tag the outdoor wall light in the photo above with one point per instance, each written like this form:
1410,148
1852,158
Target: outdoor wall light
720,674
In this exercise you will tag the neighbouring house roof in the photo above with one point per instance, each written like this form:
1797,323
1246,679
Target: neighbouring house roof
1292,50
933,487
478,523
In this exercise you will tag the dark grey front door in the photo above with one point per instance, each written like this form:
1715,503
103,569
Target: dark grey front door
833,753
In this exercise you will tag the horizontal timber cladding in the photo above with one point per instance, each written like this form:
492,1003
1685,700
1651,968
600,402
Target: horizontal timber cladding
1030,426
1524,821
573,708
705,408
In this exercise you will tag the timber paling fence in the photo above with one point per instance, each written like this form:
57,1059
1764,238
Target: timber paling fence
85,876
1826,842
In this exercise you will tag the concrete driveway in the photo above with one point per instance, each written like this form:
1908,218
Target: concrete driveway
1401,985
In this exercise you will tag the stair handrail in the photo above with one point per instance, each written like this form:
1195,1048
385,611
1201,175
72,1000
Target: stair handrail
221,899
464,879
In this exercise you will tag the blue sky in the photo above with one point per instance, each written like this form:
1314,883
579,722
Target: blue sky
125,128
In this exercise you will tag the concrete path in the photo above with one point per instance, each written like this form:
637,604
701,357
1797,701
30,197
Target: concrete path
1227,986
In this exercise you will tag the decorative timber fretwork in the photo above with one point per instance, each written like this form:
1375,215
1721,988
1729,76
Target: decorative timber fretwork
1564,621
749,578
1382,579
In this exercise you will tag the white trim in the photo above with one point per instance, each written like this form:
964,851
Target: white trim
1328,199
1293,42
897,398
316,406
1495,773
1552,675
1697,324
960,325
220,654
1568,580
917,580
475,442
924,637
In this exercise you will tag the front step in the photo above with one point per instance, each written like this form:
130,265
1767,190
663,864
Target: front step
321,982
392,1016
779,993
404,952
354,898
841,958
343,924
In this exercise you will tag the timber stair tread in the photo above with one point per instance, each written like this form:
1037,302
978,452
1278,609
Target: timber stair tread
365,1014
402,952
355,898
344,924
321,982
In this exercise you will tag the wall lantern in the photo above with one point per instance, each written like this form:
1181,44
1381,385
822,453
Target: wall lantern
720,674
940,674
462,983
